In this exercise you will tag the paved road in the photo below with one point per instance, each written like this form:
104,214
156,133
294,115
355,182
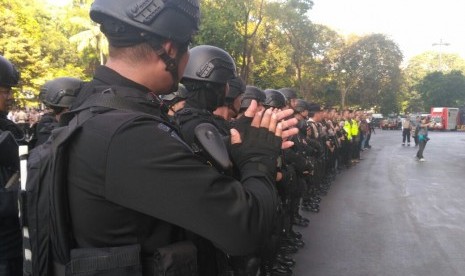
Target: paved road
392,215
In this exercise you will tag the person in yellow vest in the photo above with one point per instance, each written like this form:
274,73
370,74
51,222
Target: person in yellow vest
347,142
355,131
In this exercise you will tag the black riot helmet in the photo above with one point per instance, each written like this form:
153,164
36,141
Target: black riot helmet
176,96
313,108
252,93
9,76
288,93
176,20
236,88
206,76
130,22
210,64
60,92
301,106
274,99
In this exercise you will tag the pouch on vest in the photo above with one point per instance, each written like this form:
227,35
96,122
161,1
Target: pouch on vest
110,261
9,150
212,143
178,259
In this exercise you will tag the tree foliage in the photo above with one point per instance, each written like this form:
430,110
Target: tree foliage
36,42
443,89
274,43
371,74
419,70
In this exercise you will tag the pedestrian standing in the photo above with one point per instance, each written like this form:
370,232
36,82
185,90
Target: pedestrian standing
364,130
406,127
416,128
422,139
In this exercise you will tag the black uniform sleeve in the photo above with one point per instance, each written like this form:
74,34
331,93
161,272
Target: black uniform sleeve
8,203
298,161
152,171
7,125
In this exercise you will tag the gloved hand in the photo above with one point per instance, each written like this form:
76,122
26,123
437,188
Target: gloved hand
257,139
259,148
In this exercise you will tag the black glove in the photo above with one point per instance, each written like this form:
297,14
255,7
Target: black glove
258,151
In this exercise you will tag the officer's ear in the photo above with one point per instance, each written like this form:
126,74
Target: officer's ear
170,48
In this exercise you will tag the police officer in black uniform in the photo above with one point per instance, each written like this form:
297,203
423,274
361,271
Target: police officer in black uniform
206,78
311,199
132,181
276,263
58,95
10,134
232,101
297,162
252,93
298,156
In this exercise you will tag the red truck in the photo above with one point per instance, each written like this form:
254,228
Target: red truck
444,118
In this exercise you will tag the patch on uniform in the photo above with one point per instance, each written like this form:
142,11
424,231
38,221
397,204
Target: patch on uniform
173,134
164,127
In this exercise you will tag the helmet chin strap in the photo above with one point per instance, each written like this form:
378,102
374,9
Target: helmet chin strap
172,64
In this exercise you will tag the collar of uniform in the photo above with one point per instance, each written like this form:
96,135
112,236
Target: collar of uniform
139,93
109,76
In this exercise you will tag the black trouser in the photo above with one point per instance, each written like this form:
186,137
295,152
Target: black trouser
346,152
406,134
421,149
11,267
356,147
415,138
367,142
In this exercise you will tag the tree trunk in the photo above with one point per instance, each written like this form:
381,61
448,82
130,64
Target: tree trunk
343,98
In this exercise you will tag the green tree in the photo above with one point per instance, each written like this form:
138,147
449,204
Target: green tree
319,79
20,41
299,32
371,73
219,26
231,25
443,89
33,38
85,36
422,65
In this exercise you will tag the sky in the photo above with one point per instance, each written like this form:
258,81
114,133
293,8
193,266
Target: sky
415,25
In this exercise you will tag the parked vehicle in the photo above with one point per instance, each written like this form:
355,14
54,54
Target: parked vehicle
443,118
377,119
390,123
461,118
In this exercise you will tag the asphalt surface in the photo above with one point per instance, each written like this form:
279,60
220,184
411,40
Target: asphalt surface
391,214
